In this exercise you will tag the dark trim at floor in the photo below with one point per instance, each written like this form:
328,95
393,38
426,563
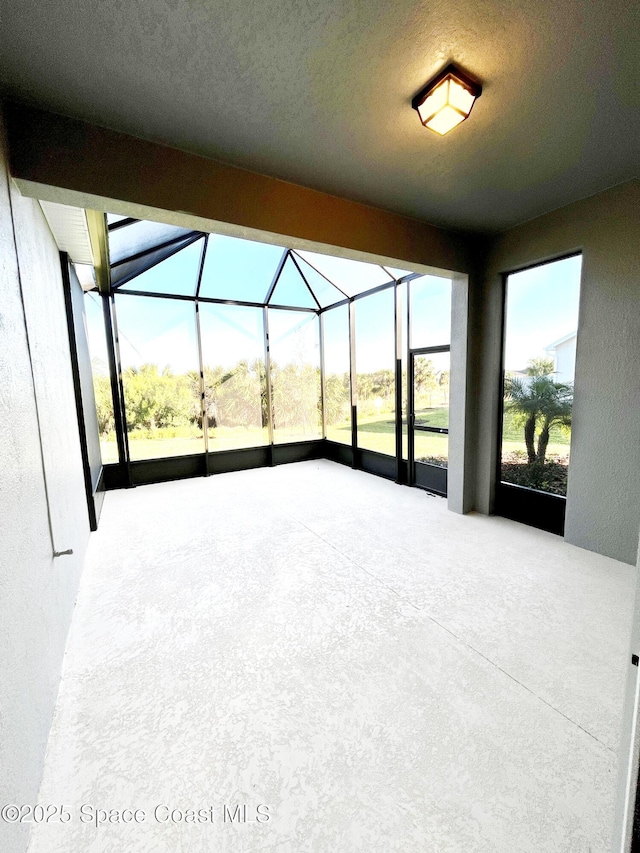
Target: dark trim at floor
431,477
144,472
530,506
376,463
337,452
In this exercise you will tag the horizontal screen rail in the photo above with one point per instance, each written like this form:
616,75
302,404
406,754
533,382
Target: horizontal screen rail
423,428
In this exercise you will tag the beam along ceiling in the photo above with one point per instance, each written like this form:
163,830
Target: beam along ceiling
318,92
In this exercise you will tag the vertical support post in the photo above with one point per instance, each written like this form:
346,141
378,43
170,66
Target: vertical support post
203,408
117,385
410,421
461,471
73,331
398,383
410,398
267,371
276,276
353,383
323,390
201,266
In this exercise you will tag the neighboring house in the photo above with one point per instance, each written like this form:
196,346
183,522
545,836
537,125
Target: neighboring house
523,377
563,352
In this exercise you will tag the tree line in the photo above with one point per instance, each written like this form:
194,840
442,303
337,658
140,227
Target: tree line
158,398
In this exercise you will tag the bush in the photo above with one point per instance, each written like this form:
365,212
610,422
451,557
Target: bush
440,461
549,476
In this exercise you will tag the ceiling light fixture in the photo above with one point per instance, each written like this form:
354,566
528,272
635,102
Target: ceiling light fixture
446,100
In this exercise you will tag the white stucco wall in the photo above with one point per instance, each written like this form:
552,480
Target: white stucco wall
37,592
564,360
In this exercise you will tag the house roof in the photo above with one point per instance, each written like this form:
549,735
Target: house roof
562,340
319,93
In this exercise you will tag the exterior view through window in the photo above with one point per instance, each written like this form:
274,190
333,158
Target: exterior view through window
161,377
234,376
221,344
337,390
429,341
541,327
295,375
96,339
375,370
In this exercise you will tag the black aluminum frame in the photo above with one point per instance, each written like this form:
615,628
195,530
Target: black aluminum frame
543,510
121,223
180,243
422,474
401,469
94,498
127,472
145,471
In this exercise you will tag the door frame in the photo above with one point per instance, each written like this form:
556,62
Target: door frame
94,485
422,474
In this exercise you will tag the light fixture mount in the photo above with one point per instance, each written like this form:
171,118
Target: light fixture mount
447,99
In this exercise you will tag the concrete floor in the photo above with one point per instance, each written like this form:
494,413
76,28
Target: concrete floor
382,674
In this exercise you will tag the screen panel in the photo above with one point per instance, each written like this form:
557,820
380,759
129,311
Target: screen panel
234,376
431,374
239,269
161,376
295,375
430,311
96,337
337,384
177,274
325,292
141,236
375,370
291,288
352,277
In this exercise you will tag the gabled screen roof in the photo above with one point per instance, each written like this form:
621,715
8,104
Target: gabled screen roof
153,257
352,277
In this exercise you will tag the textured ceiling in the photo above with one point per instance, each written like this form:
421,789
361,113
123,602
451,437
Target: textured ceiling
318,92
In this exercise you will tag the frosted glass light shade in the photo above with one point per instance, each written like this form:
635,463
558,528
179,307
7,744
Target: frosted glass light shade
447,100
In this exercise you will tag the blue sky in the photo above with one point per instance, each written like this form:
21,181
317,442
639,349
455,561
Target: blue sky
430,311
542,306
375,346
336,337
163,331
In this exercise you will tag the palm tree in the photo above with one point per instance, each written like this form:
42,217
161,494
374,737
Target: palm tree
556,404
522,401
539,401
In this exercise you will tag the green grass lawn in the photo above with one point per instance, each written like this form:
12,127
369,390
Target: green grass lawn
153,448
511,432
220,438
376,433
513,440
